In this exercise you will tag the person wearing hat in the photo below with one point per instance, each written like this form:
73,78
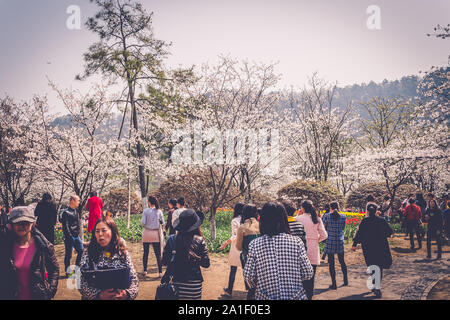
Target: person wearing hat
26,256
372,235
189,252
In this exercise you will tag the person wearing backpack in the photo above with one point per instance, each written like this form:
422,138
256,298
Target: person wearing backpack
71,225
184,254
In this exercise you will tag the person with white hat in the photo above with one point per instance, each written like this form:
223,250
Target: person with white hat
29,269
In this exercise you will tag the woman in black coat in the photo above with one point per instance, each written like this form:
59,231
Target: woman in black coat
433,215
184,254
372,234
46,214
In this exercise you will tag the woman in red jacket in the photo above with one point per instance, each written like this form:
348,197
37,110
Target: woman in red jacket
413,222
95,207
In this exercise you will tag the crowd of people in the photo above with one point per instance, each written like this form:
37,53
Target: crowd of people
277,247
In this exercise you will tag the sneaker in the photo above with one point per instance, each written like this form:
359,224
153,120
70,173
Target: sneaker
144,273
160,275
332,287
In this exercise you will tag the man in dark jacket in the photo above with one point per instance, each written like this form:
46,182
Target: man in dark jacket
71,225
44,268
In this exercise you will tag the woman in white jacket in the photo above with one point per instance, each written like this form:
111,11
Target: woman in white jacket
234,255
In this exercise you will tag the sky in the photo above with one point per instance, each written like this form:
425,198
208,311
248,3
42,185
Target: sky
327,36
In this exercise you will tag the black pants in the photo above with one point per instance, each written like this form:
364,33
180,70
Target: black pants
251,294
331,267
432,233
231,278
308,285
70,244
157,250
412,227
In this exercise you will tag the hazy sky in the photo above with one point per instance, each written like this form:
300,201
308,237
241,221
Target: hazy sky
328,36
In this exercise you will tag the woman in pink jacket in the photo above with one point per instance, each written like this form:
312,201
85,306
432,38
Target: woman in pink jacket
315,233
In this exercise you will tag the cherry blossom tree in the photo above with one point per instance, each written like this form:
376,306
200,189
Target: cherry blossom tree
235,103
78,157
16,178
318,131
128,51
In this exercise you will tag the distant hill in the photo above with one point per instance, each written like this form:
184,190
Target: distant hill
108,130
406,88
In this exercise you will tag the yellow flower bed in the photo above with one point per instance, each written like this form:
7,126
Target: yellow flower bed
354,214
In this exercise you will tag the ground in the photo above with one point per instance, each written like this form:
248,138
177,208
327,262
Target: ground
411,276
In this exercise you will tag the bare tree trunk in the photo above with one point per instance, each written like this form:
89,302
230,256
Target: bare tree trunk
212,221
129,201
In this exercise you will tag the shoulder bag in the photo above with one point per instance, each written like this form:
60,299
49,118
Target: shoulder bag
167,290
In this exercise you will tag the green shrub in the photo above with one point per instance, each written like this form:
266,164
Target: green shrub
319,193
117,201
358,197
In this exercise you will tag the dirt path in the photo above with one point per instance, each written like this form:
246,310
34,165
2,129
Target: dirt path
410,273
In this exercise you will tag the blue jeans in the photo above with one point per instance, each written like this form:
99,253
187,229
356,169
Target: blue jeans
71,243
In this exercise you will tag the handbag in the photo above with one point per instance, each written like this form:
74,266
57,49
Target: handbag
167,290
107,278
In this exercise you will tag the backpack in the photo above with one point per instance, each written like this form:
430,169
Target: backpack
60,214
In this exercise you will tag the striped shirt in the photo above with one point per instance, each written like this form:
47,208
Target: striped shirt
297,229
189,290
